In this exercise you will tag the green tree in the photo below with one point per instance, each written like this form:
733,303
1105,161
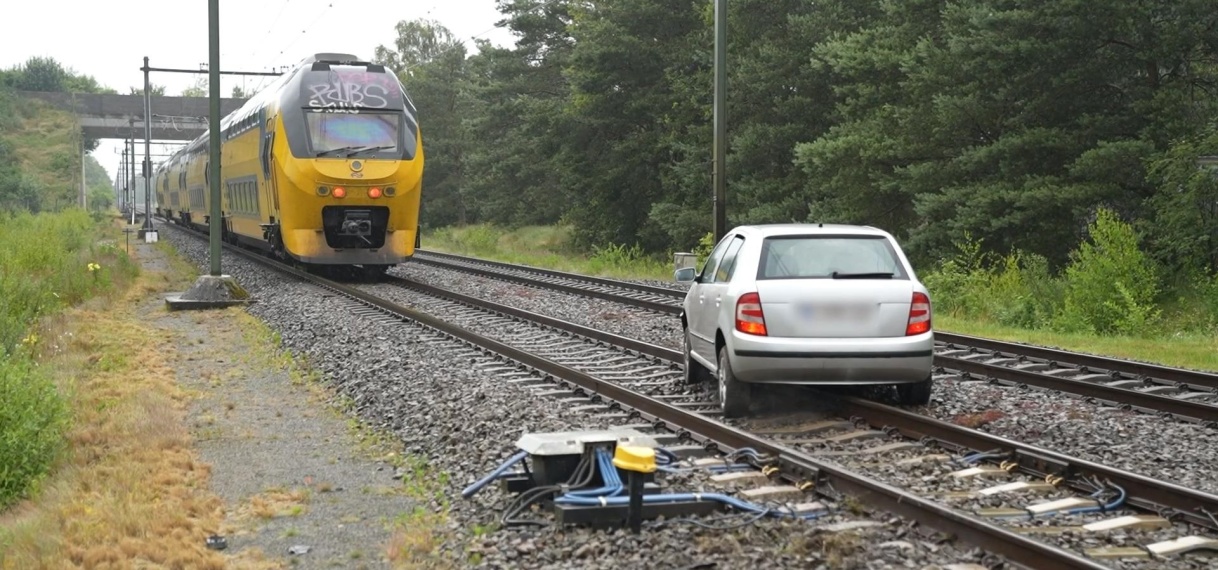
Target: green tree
154,89
432,66
1010,119
199,89
41,74
1185,205
518,125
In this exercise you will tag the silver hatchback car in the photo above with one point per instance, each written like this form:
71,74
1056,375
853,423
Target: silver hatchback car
807,304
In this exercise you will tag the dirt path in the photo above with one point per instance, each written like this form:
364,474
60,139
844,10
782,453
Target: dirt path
297,479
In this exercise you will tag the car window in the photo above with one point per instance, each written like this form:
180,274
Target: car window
820,257
712,260
727,266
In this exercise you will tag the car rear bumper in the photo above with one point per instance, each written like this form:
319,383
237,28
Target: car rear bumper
832,360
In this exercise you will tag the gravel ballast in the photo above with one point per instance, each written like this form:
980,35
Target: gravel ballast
624,320
448,407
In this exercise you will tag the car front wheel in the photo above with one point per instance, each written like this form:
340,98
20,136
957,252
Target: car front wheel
734,395
915,394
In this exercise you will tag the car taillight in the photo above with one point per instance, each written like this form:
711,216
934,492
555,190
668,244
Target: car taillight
749,317
919,315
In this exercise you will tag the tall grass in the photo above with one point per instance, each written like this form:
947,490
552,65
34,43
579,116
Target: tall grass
47,262
549,247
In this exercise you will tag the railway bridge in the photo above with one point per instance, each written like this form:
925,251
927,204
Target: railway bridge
105,116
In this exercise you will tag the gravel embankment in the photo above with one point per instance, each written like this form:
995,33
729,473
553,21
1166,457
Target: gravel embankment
624,320
463,421
1157,447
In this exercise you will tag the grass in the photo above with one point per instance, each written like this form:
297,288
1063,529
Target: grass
1198,352
547,247
131,489
46,141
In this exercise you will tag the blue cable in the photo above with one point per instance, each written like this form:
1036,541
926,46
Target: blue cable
669,457
496,474
679,497
1117,502
609,475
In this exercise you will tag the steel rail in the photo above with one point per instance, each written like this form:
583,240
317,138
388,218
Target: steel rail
567,326
794,465
1139,369
1175,406
641,288
1144,492
606,295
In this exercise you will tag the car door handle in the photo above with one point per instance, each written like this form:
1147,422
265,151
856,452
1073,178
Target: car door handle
701,298
718,300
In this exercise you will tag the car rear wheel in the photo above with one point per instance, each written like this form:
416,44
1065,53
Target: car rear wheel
734,395
915,394
694,373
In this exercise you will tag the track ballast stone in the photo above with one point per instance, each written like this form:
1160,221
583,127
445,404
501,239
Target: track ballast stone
624,320
464,421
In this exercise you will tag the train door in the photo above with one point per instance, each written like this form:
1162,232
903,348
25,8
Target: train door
268,167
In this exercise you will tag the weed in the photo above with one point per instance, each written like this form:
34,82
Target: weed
977,420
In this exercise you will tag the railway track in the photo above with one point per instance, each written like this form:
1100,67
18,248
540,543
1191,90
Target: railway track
635,382
1184,394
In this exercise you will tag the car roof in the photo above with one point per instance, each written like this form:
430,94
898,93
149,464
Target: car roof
773,230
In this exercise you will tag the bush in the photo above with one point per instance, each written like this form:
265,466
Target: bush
1015,290
32,419
48,262
1110,284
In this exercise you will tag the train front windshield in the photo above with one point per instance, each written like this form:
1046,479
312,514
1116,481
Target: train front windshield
330,132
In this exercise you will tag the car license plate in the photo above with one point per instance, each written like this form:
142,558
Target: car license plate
834,312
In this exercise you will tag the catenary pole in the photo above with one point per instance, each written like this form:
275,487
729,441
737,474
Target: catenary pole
84,204
131,199
147,152
720,119
213,76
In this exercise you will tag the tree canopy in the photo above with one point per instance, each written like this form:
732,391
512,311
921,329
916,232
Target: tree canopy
1017,120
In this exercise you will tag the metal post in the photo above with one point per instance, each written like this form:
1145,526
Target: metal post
120,181
213,128
720,151
84,200
147,153
131,166
634,509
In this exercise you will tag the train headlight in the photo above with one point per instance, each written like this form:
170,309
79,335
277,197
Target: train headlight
323,191
391,191
339,192
374,193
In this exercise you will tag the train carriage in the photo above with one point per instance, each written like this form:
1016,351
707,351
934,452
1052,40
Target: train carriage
324,167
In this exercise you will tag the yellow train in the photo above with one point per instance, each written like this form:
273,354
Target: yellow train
324,167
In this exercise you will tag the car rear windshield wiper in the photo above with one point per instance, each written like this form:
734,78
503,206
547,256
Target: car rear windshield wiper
874,275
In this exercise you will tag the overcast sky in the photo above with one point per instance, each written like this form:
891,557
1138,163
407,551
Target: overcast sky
109,39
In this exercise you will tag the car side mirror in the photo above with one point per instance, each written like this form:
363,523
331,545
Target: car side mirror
685,274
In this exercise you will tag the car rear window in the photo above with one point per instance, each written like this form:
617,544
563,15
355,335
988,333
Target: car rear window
820,257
